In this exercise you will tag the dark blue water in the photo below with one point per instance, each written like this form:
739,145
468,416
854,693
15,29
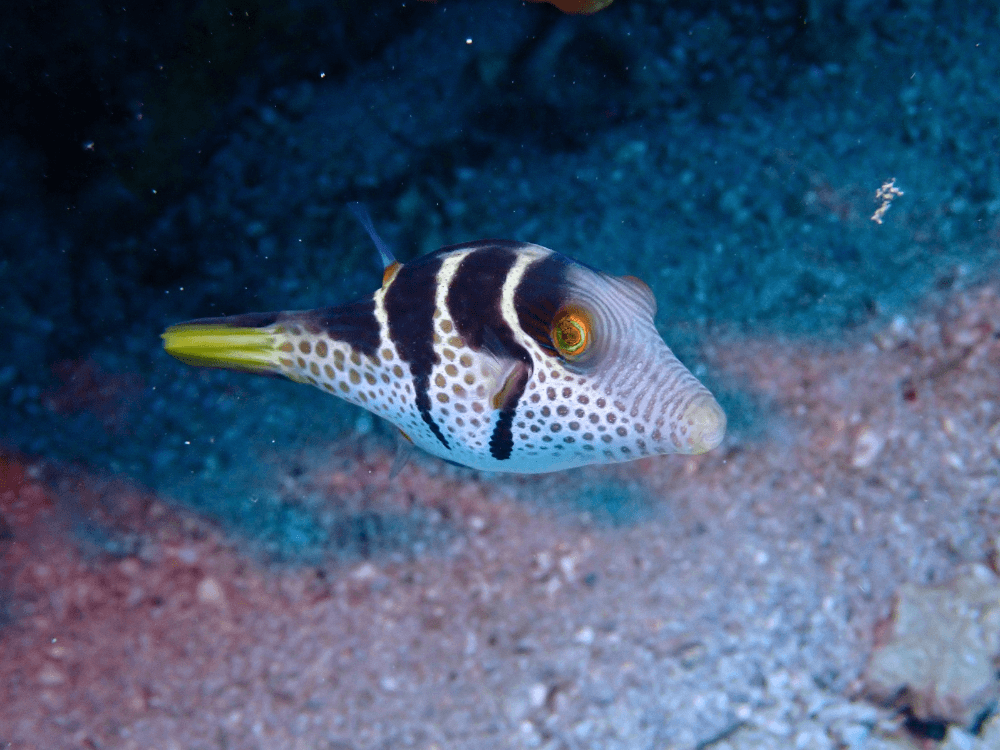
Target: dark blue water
160,163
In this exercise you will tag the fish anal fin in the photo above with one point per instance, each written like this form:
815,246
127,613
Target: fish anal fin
404,450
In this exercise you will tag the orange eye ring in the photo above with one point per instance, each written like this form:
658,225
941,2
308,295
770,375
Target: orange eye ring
572,332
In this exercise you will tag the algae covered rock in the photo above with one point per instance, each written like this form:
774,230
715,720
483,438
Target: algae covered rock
938,652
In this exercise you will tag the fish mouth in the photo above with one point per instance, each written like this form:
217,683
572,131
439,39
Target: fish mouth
706,423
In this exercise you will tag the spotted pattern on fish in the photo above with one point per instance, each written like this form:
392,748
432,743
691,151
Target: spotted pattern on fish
495,354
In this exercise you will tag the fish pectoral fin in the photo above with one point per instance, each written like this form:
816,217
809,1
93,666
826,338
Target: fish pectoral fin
508,387
505,373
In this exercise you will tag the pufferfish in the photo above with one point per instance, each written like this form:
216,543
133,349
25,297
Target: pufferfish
494,354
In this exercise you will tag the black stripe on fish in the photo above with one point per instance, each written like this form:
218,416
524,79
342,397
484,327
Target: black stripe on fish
502,439
474,301
409,307
353,323
474,297
539,295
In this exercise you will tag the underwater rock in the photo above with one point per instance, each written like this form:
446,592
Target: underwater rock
938,654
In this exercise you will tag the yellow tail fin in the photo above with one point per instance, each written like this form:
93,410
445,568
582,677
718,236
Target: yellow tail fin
215,345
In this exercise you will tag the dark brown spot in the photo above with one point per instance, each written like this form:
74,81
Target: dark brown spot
353,323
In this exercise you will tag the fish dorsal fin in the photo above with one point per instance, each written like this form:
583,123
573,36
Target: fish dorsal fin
384,253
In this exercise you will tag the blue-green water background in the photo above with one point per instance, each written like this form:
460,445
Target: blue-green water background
164,163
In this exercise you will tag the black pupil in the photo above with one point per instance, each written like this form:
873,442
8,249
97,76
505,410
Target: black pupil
570,333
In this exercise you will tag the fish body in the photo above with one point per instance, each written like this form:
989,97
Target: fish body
498,355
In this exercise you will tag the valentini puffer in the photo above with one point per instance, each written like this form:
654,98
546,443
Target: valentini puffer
499,355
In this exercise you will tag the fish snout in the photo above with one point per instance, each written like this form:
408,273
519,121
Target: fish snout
702,426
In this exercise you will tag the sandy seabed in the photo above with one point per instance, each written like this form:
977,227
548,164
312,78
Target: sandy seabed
731,600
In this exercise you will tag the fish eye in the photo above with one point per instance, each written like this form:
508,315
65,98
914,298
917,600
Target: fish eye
572,332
